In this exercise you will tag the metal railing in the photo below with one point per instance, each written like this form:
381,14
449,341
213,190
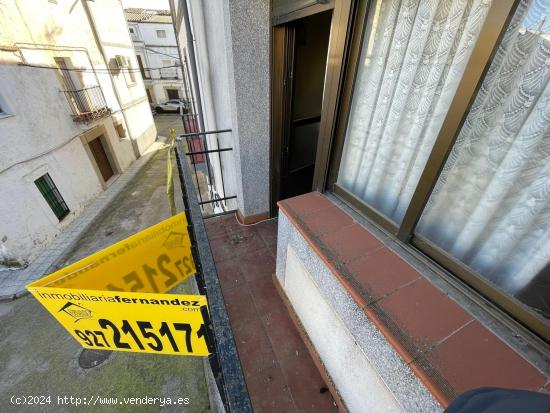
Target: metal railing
169,73
87,104
224,359
207,169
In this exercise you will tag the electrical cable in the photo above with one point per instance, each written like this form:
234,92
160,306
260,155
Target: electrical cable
164,54
98,70
255,223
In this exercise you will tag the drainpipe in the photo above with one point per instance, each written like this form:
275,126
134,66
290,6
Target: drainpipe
192,57
104,56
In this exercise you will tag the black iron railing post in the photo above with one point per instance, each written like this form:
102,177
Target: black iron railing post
224,359
209,333
195,157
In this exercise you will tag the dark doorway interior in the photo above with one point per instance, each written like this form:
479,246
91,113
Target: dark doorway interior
305,64
173,93
101,159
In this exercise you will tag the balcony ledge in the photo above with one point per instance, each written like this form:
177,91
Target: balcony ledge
92,115
446,347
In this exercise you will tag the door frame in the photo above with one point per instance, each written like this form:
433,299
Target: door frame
337,49
166,89
100,156
101,133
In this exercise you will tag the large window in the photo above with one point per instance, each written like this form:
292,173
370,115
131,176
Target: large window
409,71
52,196
490,208
448,141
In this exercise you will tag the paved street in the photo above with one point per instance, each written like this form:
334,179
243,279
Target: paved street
166,121
38,357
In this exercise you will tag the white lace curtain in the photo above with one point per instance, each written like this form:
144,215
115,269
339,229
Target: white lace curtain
412,62
491,205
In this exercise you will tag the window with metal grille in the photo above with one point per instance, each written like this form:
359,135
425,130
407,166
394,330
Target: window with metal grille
52,196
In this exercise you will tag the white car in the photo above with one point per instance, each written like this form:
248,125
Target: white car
172,105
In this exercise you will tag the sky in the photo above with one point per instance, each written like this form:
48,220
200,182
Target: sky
147,4
538,16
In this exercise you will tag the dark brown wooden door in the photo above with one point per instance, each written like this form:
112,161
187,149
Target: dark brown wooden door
98,151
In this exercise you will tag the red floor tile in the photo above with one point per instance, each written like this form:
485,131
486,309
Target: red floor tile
222,248
254,347
306,385
268,232
285,340
475,357
265,296
381,272
269,392
263,331
273,250
215,227
234,227
240,306
424,313
235,244
327,220
229,274
257,264
308,203
246,242
351,243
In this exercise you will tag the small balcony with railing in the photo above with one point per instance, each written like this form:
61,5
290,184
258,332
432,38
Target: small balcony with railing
169,73
87,104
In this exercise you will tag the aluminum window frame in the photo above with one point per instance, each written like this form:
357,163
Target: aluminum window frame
331,151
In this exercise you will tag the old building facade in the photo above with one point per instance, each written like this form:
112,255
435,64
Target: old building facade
154,40
74,115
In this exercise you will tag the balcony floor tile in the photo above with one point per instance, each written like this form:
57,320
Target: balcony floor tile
280,374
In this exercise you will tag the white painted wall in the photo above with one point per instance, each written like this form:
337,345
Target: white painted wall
212,43
115,38
39,135
366,370
358,383
157,52
231,42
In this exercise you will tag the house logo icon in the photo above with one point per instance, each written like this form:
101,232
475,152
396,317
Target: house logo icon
76,311
174,240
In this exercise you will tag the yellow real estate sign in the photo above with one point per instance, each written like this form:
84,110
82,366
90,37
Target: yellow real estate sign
115,299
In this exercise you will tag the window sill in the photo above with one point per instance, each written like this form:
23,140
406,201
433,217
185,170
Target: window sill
449,349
